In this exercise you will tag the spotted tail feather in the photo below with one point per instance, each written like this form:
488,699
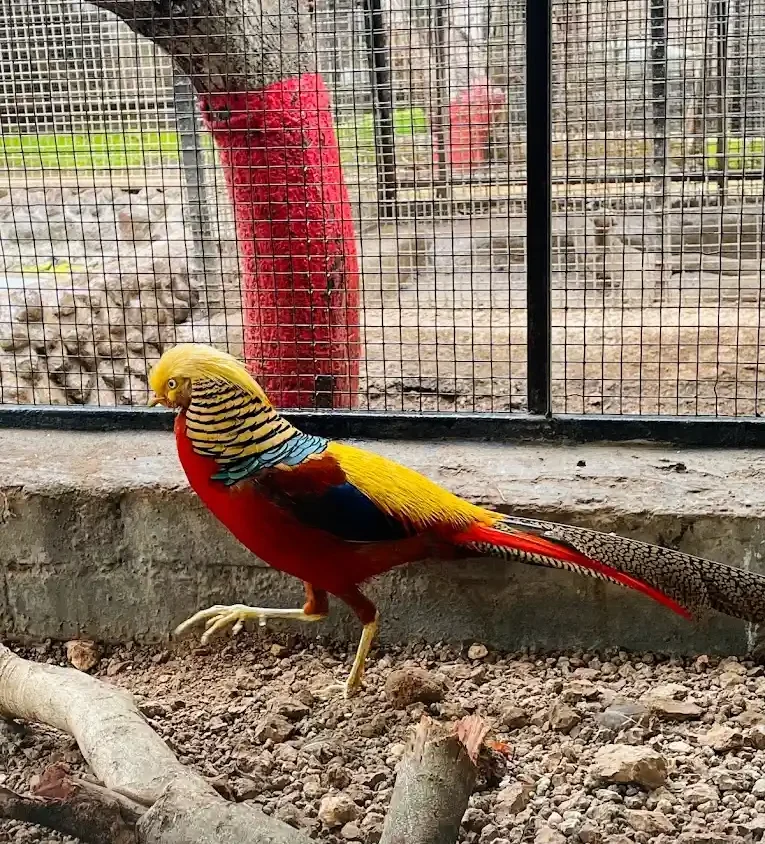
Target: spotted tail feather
679,581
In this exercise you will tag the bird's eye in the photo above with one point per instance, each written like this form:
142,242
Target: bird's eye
171,383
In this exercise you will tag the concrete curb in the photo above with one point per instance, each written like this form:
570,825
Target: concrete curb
101,537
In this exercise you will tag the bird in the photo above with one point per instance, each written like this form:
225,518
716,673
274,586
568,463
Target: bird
335,515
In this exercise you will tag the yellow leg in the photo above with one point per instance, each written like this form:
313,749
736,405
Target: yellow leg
353,683
220,617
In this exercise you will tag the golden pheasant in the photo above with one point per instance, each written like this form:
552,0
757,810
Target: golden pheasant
335,515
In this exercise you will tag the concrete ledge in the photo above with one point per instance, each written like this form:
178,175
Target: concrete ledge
101,537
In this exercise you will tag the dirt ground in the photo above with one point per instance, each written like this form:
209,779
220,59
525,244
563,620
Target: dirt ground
243,713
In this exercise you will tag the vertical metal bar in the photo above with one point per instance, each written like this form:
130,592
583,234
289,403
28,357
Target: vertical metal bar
378,55
662,184
721,38
659,86
538,203
438,36
192,160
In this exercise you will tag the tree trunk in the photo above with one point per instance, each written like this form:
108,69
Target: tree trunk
253,64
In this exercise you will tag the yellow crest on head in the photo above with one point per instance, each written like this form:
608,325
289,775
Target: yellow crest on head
198,362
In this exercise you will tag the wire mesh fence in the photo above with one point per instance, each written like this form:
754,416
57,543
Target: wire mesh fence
119,236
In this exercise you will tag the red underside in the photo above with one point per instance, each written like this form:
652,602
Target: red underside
279,152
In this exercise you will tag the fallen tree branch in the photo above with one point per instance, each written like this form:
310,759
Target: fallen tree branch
149,797
74,807
129,758
434,783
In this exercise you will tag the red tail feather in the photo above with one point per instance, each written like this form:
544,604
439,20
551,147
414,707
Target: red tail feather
538,546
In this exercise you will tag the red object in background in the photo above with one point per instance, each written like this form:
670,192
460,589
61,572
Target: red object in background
297,244
471,114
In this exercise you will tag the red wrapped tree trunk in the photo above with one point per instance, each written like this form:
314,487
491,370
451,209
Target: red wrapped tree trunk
296,237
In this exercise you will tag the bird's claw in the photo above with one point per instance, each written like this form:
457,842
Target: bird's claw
220,617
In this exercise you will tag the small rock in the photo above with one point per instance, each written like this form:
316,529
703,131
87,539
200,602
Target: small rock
652,823
351,832
758,789
589,834
546,835
756,737
700,792
516,797
513,717
278,650
413,685
579,690
751,717
291,815
722,739
275,728
477,651
623,716
153,709
673,691
337,810
621,763
675,710
563,718
338,777
83,655
115,667
289,708
725,780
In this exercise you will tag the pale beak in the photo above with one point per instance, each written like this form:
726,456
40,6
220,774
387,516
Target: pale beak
154,401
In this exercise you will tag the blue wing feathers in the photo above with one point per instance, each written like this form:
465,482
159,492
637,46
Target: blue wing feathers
290,453
338,508
349,514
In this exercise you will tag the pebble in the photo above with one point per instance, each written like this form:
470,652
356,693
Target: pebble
675,710
413,685
722,739
623,715
83,655
547,835
563,718
621,763
513,717
701,792
275,728
651,823
337,810
477,651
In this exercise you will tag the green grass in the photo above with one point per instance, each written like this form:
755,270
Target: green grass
357,138
751,155
100,151
115,151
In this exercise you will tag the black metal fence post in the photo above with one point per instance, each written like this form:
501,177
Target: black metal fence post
192,161
539,204
378,55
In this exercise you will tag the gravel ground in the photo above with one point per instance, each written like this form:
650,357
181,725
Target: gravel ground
608,748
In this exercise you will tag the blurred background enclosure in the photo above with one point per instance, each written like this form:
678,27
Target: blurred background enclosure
117,236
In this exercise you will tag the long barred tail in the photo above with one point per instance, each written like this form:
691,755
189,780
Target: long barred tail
677,580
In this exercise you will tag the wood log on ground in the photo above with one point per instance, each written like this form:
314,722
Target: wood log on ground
149,797
130,759
434,783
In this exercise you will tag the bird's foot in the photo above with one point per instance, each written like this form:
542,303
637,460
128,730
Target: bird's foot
220,617
346,690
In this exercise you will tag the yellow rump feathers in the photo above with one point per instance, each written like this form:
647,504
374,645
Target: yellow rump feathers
404,493
195,362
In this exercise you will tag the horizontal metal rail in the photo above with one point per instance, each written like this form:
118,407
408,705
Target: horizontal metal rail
694,431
